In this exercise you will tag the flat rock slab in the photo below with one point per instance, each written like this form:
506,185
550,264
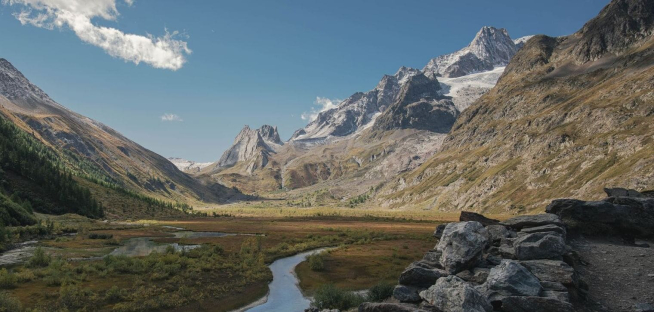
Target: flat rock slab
545,228
510,278
389,307
532,221
453,294
472,216
551,270
539,246
407,293
419,275
535,304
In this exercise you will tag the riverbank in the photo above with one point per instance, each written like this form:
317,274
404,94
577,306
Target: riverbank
227,271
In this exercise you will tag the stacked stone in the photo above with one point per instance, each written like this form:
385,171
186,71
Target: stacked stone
481,264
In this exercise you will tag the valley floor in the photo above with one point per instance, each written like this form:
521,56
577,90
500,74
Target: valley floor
227,271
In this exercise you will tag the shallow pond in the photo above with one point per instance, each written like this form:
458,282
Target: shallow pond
20,254
143,246
285,294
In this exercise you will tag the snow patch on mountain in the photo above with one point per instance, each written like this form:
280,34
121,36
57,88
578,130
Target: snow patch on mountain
467,89
187,165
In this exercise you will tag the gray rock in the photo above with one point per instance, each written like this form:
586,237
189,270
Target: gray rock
462,244
535,304
433,258
545,228
389,307
539,246
439,230
455,295
475,276
554,286
622,192
633,216
511,279
644,307
419,275
472,216
551,270
558,295
498,232
407,293
532,221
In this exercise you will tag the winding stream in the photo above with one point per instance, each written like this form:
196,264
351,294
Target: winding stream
284,293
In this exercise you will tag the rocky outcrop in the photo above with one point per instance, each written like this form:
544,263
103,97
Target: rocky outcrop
628,213
419,106
491,47
453,294
252,147
477,276
568,116
461,245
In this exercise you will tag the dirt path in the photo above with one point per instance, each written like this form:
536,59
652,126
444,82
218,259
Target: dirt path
619,276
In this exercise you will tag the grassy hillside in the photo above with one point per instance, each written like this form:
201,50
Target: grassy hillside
557,124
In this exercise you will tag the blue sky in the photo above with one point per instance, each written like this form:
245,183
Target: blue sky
250,62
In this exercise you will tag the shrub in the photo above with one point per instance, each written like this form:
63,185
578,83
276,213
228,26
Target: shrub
330,297
9,303
39,259
380,292
316,262
7,279
100,236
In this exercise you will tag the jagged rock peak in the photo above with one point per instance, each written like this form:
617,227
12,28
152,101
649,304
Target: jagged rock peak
621,24
13,85
270,134
251,144
491,47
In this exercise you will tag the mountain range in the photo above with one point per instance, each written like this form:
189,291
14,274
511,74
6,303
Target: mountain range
499,126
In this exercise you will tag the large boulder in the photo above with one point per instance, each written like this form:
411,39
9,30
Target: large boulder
433,258
617,215
475,276
535,304
439,230
510,279
389,307
544,228
498,232
520,222
622,192
551,270
407,293
545,245
471,216
420,274
452,294
462,245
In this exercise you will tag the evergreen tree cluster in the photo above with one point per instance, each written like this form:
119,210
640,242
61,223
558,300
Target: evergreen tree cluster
23,155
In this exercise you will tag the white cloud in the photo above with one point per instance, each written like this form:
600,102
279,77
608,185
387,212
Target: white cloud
171,117
324,104
160,52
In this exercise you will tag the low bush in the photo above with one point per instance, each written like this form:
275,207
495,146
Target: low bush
380,292
39,259
330,297
316,262
9,303
8,280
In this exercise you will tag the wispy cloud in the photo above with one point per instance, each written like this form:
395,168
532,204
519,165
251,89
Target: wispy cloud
321,104
171,117
165,52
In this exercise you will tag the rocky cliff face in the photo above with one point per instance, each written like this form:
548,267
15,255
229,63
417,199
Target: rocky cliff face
252,146
421,106
490,48
107,154
568,116
356,111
